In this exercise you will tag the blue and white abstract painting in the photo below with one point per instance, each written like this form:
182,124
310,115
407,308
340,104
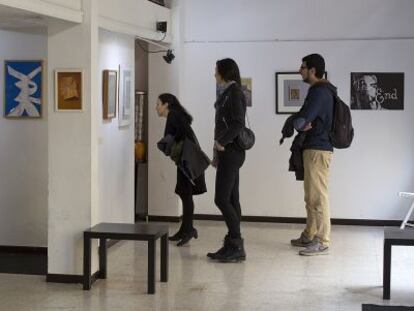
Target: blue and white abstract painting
23,89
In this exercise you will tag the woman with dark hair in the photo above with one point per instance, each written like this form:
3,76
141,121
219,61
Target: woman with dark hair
229,157
178,126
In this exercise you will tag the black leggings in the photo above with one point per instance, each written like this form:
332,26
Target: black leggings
188,213
227,188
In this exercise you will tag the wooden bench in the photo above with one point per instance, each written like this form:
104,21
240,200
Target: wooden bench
393,236
135,232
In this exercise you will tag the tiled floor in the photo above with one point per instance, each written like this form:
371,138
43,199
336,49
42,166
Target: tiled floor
274,277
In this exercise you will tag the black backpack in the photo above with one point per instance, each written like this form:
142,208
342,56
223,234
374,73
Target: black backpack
342,131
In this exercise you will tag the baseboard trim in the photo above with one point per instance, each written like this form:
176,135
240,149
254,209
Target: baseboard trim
301,220
69,278
74,278
23,249
286,220
164,218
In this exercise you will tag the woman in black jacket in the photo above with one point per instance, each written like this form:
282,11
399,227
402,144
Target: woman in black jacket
179,126
229,157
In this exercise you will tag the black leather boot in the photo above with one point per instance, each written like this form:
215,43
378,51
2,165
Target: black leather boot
222,250
235,252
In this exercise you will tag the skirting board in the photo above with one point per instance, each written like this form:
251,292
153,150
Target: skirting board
23,249
74,278
289,220
69,278
300,220
164,218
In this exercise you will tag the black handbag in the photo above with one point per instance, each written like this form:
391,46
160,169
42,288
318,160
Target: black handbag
246,138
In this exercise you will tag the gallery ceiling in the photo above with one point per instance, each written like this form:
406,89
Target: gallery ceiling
18,20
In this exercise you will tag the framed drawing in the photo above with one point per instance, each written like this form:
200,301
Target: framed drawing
109,93
377,90
125,96
247,90
246,85
69,90
23,89
290,92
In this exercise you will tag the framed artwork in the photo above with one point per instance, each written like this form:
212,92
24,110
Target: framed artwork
377,90
109,93
247,90
125,96
69,90
291,92
23,89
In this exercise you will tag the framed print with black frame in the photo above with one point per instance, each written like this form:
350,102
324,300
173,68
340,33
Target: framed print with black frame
291,92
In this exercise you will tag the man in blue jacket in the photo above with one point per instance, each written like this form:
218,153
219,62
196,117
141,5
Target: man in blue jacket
315,118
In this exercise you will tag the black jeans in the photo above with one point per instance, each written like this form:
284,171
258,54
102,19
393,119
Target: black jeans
227,187
188,213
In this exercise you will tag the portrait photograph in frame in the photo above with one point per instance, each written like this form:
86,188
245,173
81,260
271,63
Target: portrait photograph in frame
377,90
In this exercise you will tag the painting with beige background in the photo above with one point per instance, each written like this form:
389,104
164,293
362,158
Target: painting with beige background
69,90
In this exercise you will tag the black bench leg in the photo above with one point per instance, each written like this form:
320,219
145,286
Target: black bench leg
102,258
86,263
151,267
164,258
387,271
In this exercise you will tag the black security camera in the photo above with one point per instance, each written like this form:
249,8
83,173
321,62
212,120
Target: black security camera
169,57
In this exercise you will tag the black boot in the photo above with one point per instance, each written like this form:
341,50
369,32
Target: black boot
186,237
222,250
234,253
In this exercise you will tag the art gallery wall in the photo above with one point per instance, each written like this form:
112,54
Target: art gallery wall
116,145
364,179
163,78
23,156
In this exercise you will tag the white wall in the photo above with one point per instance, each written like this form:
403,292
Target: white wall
71,4
366,178
23,156
163,78
134,17
69,10
73,145
116,145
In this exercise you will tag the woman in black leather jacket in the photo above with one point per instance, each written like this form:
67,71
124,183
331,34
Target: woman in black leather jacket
229,157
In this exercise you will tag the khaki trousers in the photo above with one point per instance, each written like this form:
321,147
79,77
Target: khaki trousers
318,223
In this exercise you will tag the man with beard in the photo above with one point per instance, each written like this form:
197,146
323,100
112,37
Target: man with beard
315,119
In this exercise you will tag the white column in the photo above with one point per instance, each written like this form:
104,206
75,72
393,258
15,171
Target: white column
72,138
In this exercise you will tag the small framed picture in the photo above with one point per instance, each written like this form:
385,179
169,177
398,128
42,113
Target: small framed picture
69,90
23,89
291,92
125,95
247,90
109,93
